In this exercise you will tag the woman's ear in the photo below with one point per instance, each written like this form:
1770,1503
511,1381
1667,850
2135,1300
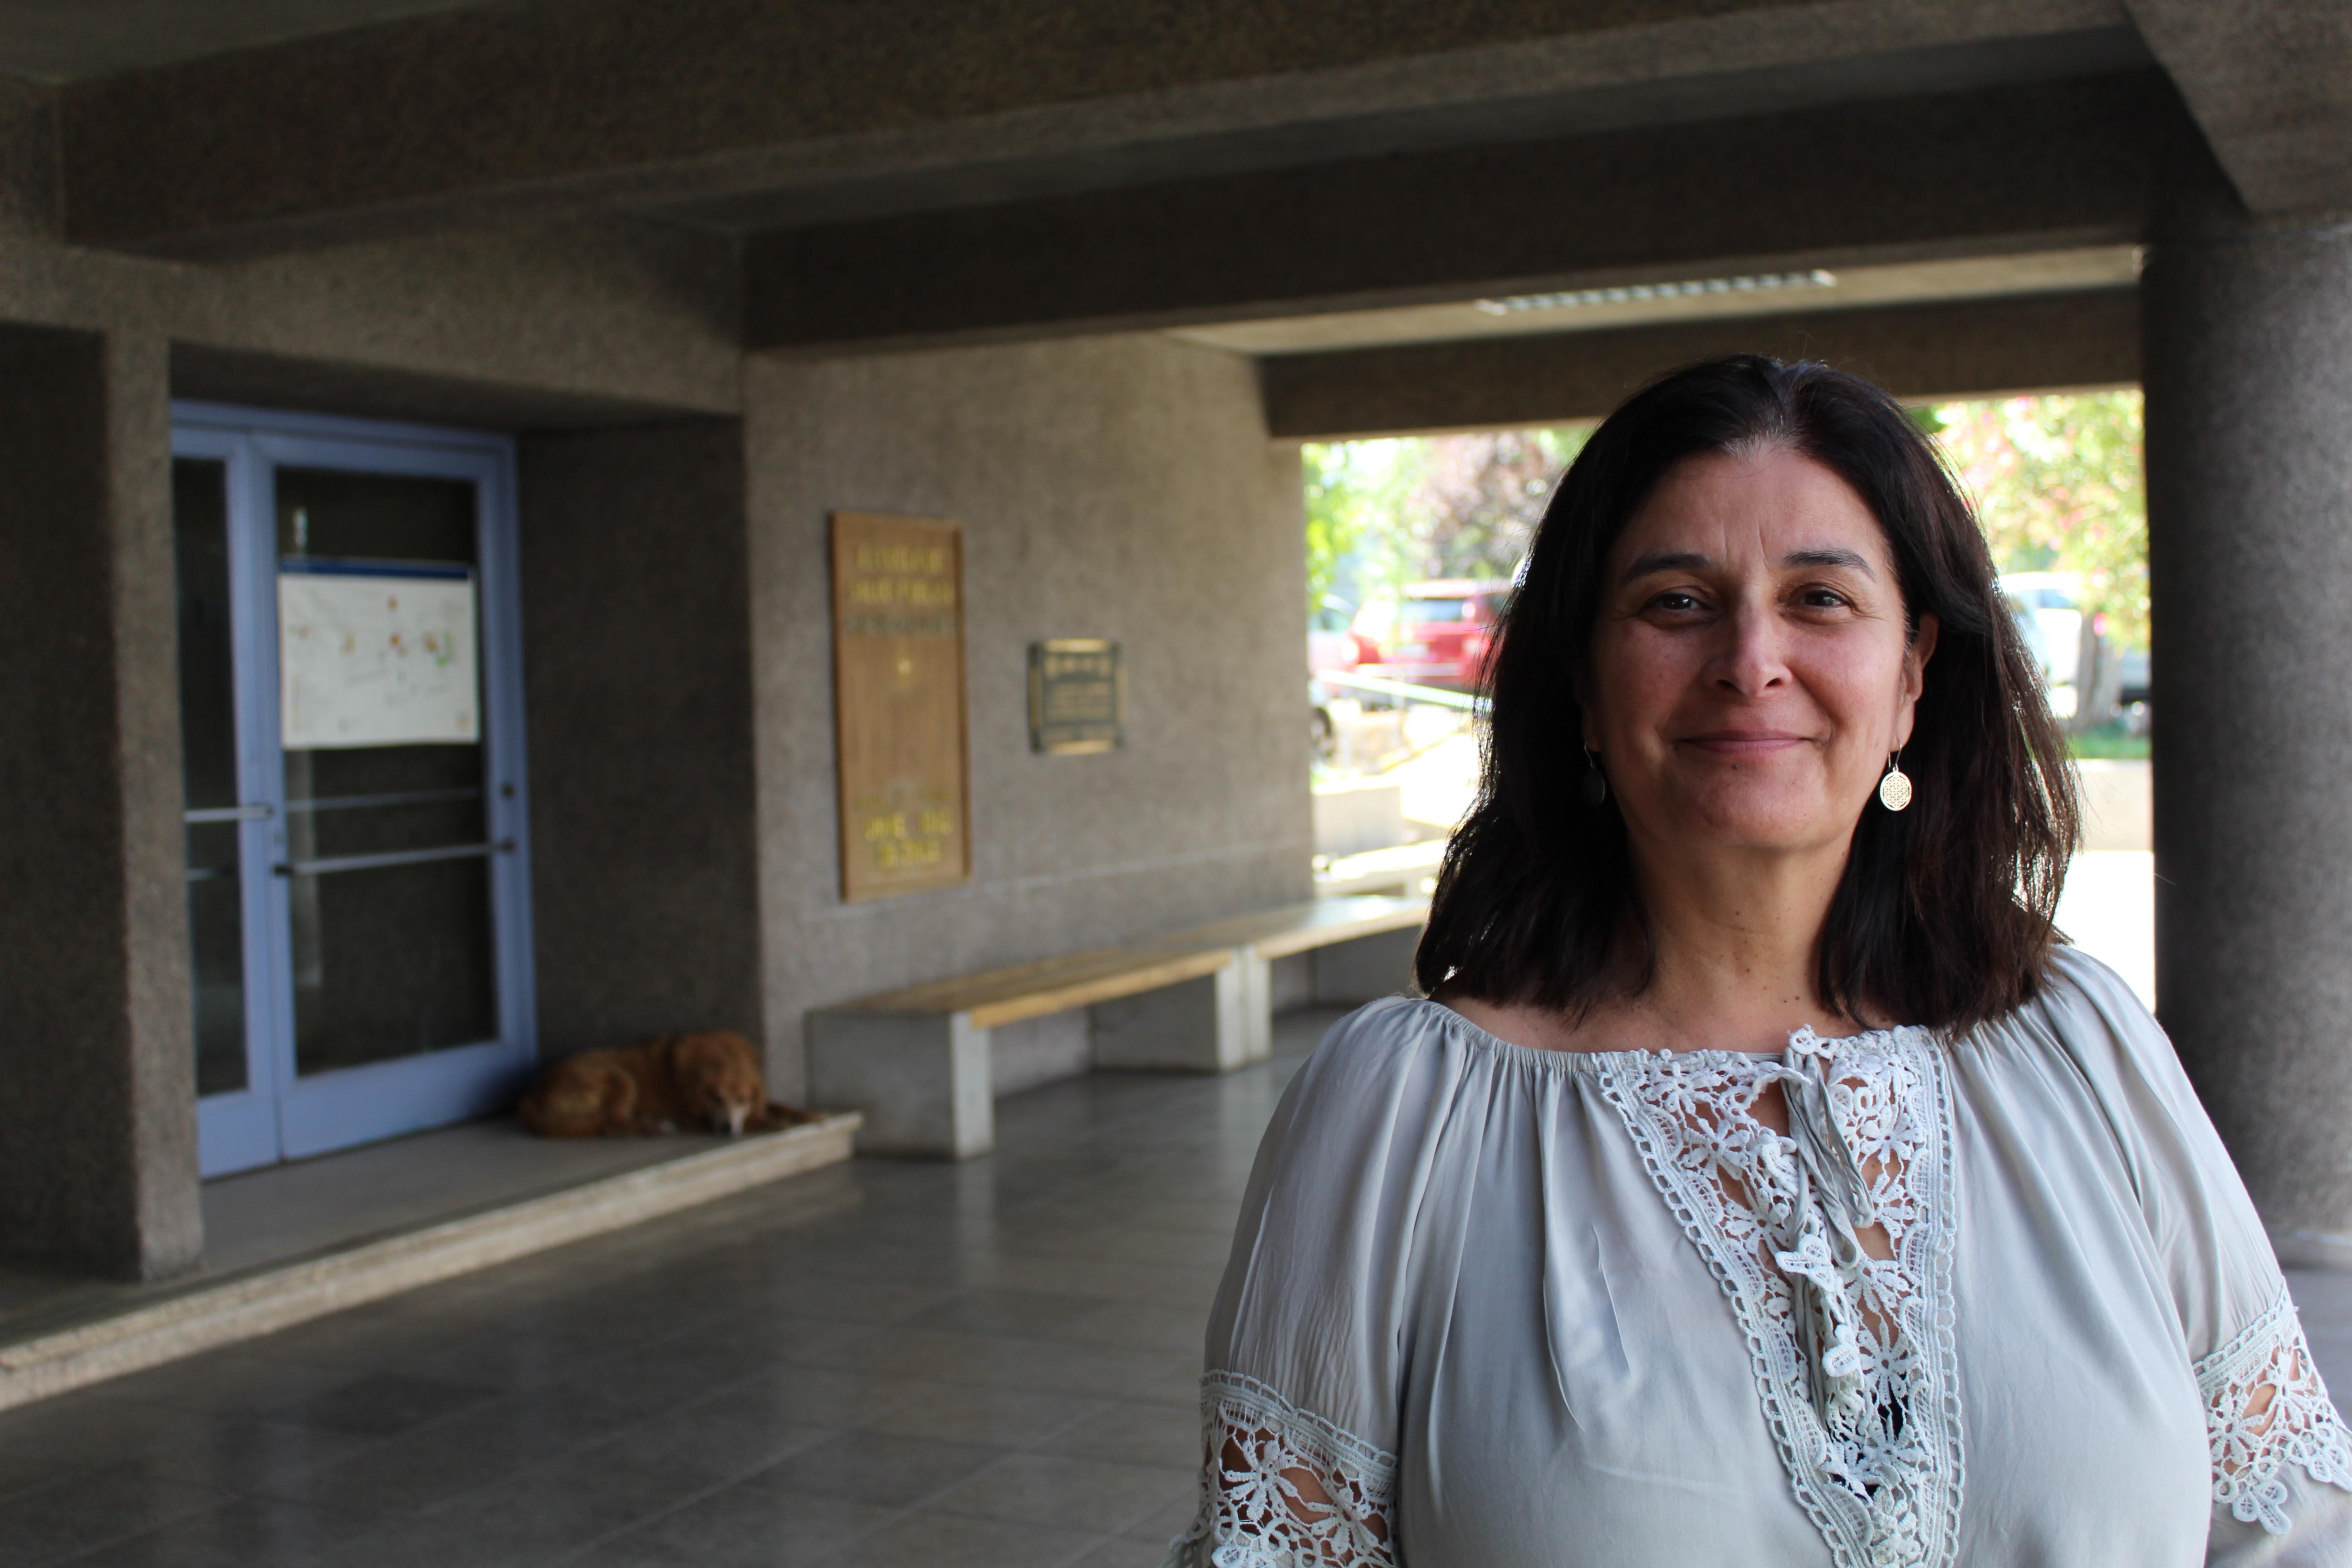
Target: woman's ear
1916,656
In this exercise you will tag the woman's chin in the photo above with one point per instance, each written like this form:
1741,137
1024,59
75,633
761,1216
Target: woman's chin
1757,820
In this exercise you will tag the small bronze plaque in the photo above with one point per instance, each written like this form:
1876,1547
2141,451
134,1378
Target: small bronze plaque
1077,696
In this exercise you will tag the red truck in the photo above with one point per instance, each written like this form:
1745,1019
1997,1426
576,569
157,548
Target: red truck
1442,629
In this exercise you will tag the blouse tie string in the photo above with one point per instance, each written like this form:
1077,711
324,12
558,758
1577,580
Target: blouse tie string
1814,1243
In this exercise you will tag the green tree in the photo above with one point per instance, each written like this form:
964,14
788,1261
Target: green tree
2059,486
1355,493
1474,512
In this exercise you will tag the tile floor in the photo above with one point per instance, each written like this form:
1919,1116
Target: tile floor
880,1363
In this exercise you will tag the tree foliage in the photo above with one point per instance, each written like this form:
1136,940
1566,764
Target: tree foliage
1380,514
2059,486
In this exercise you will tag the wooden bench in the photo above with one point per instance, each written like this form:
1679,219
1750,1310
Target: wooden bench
917,1060
1356,949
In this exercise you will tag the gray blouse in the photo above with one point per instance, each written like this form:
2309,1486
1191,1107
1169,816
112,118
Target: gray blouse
1490,1306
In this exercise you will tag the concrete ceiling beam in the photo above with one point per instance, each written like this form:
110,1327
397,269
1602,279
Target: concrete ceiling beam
1971,348
2270,82
2016,168
815,110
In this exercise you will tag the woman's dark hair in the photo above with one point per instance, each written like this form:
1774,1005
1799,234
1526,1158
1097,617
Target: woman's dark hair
1944,915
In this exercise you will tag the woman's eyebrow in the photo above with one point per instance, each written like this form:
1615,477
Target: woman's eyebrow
1659,561
1828,556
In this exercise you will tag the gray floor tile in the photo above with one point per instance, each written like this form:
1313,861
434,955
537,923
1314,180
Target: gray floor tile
943,1356
1023,1314
1150,1325
1166,1523
744,1526
941,1541
878,1468
707,1444
814,1396
85,1510
571,1502
1003,1417
18,1474
1125,1551
403,1542
426,1467
246,1533
383,1404
1179,1385
1134,1433
236,1381
1068,1493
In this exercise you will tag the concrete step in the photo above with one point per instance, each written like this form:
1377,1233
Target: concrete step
160,1325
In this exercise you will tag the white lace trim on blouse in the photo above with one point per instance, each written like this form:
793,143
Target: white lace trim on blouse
2266,1408
1853,1356
1285,1488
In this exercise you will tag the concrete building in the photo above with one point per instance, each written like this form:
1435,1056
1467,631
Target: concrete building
644,292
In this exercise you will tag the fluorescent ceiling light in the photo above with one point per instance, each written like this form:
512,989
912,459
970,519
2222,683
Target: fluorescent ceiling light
1629,292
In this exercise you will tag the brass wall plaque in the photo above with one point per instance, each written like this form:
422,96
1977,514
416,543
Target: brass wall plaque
1077,696
898,704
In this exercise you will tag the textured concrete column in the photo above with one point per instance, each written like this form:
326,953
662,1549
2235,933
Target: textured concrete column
2249,378
638,659
97,1109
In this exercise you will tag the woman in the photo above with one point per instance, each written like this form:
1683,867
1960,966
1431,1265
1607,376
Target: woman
1604,1256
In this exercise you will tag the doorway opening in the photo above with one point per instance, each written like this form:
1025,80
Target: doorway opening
356,806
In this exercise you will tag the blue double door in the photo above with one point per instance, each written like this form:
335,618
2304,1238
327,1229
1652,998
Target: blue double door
351,703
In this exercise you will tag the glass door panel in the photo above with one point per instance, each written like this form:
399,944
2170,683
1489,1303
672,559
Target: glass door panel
390,906
358,907
208,758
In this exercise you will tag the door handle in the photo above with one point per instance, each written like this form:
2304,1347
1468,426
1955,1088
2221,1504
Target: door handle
393,857
232,814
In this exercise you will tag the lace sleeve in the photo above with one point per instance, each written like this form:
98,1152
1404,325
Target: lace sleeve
1282,1487
2266,1409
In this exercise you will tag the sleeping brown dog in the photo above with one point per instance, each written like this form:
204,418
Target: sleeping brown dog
712,1081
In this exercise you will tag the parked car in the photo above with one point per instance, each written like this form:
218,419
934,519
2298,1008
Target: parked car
1443,630
2079,661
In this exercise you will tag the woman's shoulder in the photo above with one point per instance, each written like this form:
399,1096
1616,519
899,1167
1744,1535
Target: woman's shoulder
2087,1012
1382,1071
1376,1045
2088,1042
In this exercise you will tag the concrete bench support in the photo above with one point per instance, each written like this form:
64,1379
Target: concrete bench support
1357,949
1366,968
922,1080
1196,1026
916,1061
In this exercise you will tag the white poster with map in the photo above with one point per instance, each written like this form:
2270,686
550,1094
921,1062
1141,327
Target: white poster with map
376,654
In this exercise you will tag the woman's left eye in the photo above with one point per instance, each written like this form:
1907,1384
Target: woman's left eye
1822,598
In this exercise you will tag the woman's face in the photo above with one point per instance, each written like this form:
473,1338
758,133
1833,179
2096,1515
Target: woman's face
1750,670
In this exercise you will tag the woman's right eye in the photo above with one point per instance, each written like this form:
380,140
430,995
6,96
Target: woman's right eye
1674,601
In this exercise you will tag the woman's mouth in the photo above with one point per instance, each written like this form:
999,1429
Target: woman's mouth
1743,742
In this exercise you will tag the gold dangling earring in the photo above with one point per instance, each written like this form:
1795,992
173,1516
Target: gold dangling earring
1596,782
1894,789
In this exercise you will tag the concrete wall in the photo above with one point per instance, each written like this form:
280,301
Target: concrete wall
637,663
98,1158
1121,488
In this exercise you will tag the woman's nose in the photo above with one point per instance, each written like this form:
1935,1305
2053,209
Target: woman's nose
1753,659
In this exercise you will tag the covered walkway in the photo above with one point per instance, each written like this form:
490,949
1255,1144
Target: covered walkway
878,1364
